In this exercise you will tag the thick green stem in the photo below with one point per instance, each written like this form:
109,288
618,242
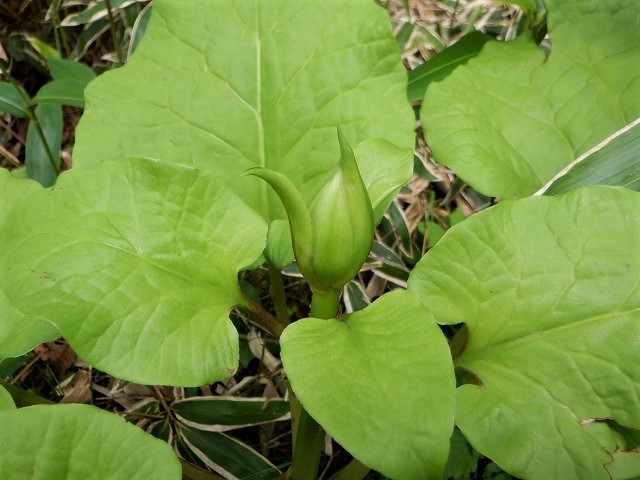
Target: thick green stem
278,295
309,443
309,438
262,318
325,305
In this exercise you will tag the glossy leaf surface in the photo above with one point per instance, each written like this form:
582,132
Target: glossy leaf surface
80,442
346,375
510,119
549,290
229,85
19,332
142,274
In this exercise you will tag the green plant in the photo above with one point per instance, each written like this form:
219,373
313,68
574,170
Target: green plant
134,254
44,110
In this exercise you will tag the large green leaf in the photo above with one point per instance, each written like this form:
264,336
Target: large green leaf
19,332
510,119
549,288
380,381
142,274
228,85
79,442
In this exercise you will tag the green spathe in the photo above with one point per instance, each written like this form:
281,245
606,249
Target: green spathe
79,442
380,381
332,241
548,287
343,225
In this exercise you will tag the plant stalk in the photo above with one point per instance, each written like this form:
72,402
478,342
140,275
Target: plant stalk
278,295
309,438
263,319
114,33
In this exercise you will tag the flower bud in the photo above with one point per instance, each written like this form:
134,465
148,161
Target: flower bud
343,225
332,241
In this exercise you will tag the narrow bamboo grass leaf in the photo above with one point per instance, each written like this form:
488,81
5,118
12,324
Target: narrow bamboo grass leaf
45,50
65,69
43,163
95,11
345,373
139,28
548,288
19,332
613,162
219,414
162,430
355,297
62,92
227,456
12,101
89,443
90,33
445,62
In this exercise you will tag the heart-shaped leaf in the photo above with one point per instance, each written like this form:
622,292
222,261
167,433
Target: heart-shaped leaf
510,119
229,85
549,290
380,381
136,263
19,332
80,442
